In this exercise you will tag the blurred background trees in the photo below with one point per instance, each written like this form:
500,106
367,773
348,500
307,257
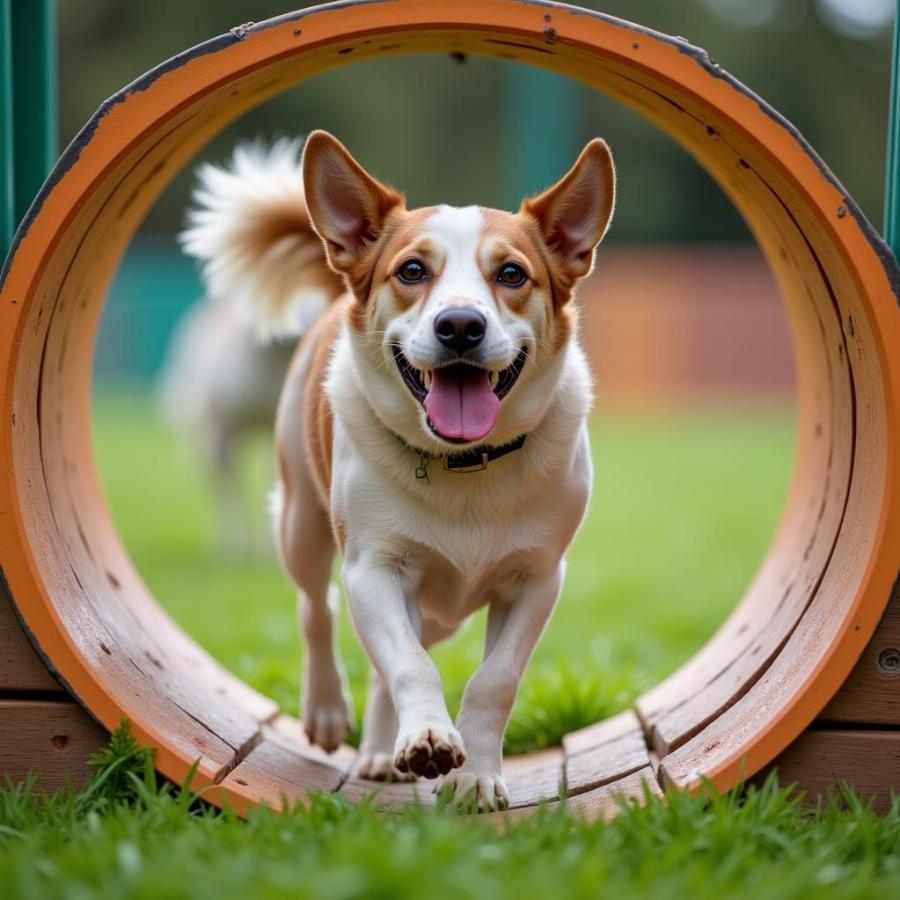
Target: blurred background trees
459,132
487,131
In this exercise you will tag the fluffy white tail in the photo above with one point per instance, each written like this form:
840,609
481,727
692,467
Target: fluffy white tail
250,229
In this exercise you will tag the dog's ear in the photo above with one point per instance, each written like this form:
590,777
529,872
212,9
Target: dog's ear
574,214
347,206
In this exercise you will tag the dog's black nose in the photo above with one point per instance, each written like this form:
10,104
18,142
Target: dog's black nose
460,329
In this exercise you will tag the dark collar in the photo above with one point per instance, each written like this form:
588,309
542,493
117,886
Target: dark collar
474,460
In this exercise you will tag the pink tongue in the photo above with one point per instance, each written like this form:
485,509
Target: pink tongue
461,404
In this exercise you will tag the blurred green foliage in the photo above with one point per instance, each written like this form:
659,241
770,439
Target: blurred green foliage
458,132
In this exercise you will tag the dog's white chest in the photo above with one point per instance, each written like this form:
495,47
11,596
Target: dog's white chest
462,541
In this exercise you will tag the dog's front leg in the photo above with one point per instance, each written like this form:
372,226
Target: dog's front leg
513,630
389,627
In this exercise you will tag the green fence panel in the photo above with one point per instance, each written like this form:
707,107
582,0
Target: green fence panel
892,168
7,200
34,97
543,127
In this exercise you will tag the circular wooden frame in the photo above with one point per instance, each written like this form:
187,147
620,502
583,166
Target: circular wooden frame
731,709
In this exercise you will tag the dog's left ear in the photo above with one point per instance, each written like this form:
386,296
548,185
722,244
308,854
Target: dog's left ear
574,214
347,206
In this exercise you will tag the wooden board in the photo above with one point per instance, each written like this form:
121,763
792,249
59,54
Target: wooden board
531,779
20,667
604,753
534,778
52,739
823,758
288,732
871,695
600,803
277,776
392,795
604,802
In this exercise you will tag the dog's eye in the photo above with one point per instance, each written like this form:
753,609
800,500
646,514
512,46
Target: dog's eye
411,272
512,275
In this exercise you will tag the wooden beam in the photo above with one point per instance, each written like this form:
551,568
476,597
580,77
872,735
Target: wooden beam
822,759
50,738
871,695
20,667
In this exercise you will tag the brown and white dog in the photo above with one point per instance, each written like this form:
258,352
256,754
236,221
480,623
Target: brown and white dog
432,428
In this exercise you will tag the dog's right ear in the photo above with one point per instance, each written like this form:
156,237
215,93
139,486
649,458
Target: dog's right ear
347,206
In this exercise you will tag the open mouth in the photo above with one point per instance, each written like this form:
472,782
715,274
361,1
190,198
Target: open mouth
462,401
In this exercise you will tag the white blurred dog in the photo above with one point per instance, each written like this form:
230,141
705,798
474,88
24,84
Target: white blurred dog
224,368
431,427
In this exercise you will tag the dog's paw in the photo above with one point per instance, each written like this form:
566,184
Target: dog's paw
429,751
327,723
379,767
475,791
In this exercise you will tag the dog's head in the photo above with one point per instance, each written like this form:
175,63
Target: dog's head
459,318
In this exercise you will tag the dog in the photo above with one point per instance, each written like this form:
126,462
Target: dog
431,428
219,407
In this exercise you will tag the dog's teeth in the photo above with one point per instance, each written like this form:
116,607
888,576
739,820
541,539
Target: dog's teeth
493,378
426,379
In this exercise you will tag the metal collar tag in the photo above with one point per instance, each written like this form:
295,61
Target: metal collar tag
476,467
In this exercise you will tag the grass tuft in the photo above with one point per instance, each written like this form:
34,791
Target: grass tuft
565,696
120,770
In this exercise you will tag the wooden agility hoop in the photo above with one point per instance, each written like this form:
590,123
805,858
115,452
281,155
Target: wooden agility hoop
749,694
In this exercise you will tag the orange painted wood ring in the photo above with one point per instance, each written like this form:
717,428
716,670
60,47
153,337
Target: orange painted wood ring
825,582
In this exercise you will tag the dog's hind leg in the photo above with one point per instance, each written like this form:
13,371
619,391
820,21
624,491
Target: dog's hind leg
307,547
379,732
230,512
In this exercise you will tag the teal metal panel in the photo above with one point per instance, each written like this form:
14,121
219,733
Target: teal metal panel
543,126
34,97
892,186
153,287
7,199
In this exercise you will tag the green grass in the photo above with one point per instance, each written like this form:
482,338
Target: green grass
128,837
682,512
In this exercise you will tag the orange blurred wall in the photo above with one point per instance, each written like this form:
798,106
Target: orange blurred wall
687,324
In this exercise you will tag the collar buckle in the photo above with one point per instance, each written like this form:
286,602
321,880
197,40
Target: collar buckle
461,470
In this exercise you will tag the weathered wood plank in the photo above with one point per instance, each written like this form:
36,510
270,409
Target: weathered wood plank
391,795
288,732
600,803
605,752
275,775
531,779
820,759
534,778
52,739
603,802
871,695
20,667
